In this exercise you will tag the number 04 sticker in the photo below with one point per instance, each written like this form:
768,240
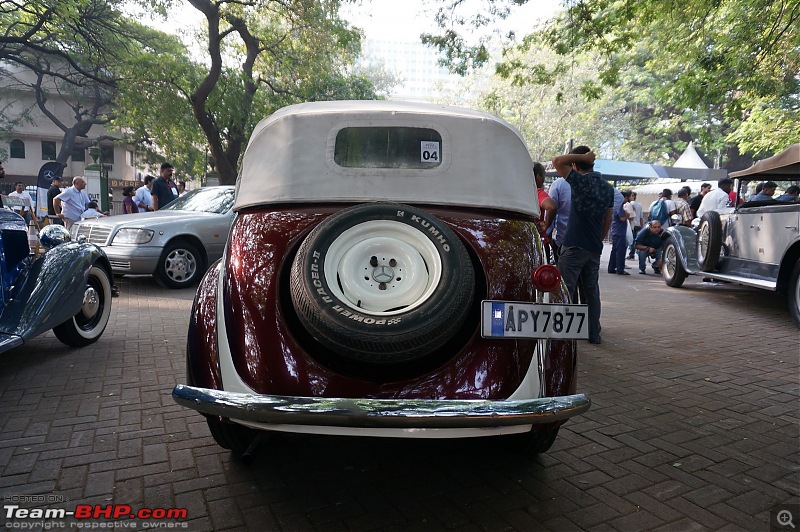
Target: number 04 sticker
430,151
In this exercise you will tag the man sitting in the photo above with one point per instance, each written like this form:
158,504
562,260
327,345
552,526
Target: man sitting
648,243
766,193
791,194
91,211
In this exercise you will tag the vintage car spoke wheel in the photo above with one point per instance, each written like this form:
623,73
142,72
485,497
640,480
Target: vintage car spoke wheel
794,293
382,283
232,436
709,241
180,265
88,324
672,267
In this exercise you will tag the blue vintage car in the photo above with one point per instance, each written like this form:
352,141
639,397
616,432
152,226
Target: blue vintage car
67,289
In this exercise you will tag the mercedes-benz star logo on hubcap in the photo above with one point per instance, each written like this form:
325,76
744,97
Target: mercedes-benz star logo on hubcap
383,274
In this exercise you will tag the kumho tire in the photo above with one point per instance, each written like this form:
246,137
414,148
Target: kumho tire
382,283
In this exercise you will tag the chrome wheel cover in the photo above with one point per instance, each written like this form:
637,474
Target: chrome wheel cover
180,265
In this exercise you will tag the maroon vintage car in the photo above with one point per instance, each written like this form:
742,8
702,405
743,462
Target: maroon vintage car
384,277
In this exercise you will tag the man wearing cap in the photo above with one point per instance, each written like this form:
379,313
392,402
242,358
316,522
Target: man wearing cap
591,211
164,188
52,192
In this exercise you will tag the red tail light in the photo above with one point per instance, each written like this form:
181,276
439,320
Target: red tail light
546,278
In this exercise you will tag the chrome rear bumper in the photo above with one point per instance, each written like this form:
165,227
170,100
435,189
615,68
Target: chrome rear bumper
379,413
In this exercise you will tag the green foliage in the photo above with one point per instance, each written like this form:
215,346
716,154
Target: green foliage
262,55
718,71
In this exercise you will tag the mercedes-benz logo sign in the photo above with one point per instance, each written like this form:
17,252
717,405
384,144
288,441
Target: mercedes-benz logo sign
383,274
48,174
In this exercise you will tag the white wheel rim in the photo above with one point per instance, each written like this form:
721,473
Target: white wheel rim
703,241
382,268
670,259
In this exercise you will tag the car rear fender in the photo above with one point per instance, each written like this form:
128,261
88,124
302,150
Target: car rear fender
790,258
685,245
202,356
51,291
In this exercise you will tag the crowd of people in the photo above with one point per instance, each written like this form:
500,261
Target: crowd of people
580,210
67,206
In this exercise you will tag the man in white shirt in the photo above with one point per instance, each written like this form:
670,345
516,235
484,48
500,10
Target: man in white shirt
636,219
718,198
72,203
20,192
142,198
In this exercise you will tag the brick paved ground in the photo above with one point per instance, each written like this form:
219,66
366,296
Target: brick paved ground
694,426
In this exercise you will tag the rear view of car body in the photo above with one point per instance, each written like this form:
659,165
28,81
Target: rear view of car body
289,331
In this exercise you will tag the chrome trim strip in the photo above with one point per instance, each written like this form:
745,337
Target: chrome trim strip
386,413
757,283
9,341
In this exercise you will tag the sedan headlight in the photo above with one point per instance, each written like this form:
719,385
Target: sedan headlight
133,236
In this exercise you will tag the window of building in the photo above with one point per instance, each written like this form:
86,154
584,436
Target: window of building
17,149
48,150
79,155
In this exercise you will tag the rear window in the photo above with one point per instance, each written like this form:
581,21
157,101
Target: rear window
388,147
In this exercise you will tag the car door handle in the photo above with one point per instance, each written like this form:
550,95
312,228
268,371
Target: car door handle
790,227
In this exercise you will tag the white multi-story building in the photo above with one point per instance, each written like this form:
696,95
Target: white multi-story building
413,63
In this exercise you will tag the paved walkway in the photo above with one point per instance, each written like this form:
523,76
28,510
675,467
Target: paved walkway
694,426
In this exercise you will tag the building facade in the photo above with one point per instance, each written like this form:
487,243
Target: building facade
32,139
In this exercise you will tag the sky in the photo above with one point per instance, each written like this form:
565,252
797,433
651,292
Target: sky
400,19
406,19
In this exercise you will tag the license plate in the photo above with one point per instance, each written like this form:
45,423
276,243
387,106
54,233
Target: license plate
514,319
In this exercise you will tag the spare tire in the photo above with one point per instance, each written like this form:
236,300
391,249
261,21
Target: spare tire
382,283
709,241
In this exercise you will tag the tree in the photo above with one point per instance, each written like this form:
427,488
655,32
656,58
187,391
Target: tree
546,107
724,69
261,55
62,50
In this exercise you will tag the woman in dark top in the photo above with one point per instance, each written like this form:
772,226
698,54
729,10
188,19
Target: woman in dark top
128,205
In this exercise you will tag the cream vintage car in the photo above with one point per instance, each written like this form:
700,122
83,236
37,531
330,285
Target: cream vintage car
755,243
384,277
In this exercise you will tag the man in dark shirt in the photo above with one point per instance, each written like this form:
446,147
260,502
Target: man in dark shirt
164,188
52,192
695,202
589,221
648,243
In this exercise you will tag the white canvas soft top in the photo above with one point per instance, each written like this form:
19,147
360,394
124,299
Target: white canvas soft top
290,159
